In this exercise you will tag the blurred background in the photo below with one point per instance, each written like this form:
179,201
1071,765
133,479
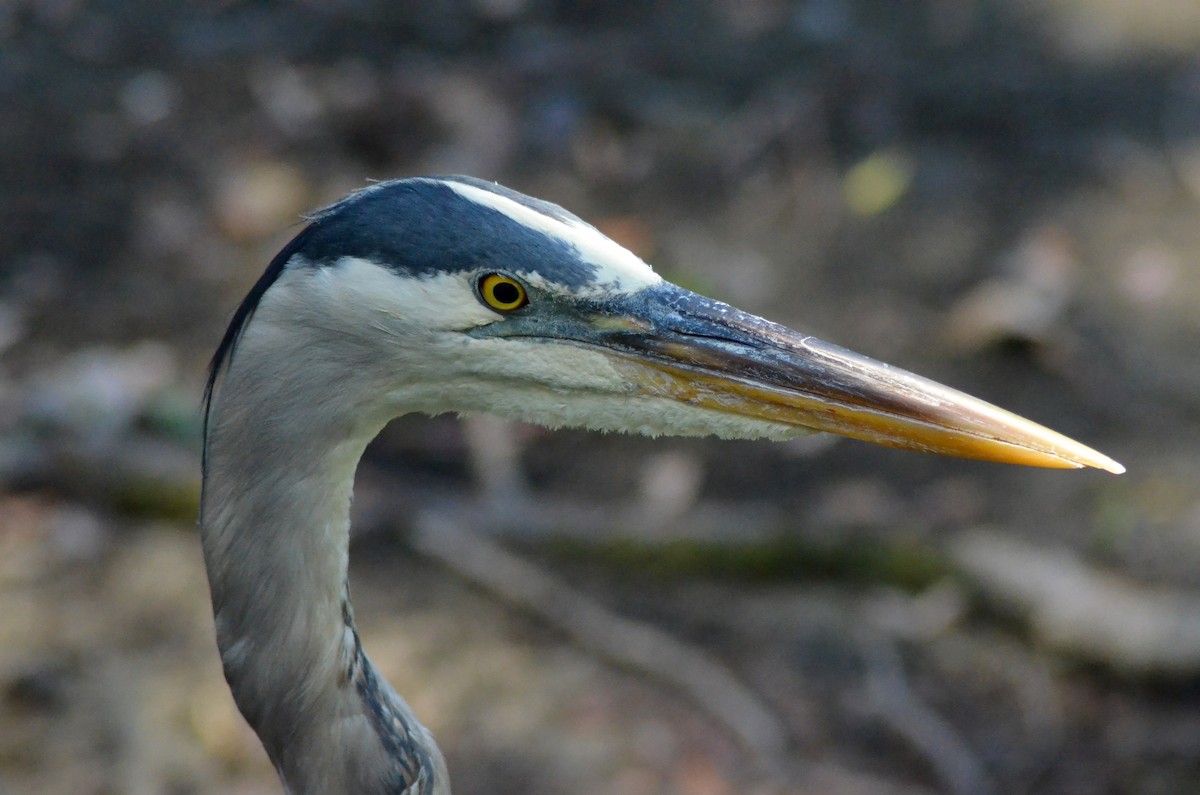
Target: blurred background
1004,196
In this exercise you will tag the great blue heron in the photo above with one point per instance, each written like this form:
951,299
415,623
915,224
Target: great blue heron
453,294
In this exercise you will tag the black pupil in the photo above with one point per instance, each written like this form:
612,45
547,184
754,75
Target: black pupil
506,293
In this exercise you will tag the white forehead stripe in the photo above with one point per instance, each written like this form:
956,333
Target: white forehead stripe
617,268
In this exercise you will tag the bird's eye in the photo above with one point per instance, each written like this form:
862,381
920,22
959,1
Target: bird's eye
502,293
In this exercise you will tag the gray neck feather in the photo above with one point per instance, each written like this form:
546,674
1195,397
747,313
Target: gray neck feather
275,529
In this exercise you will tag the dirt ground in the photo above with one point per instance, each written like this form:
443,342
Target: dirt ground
1004,196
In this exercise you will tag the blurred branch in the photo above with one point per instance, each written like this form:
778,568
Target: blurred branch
921,727
1080,610
619,640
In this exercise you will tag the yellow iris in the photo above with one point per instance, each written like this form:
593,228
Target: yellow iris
502,293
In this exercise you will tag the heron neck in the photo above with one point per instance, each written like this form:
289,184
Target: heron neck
275,528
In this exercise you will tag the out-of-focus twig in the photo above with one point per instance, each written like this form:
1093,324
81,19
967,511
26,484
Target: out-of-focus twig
619,640
921,727
1084,611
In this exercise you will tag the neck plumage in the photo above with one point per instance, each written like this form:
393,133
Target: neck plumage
275,527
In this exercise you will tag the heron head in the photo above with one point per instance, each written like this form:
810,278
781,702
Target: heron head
454,294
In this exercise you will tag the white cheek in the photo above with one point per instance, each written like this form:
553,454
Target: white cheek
358,292
357,325
442,302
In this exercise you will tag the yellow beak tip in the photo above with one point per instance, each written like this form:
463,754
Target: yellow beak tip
1090,459
1075,457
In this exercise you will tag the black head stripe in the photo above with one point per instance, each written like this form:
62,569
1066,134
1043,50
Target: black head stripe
423,227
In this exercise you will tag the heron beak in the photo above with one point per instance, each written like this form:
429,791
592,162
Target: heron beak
702,352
